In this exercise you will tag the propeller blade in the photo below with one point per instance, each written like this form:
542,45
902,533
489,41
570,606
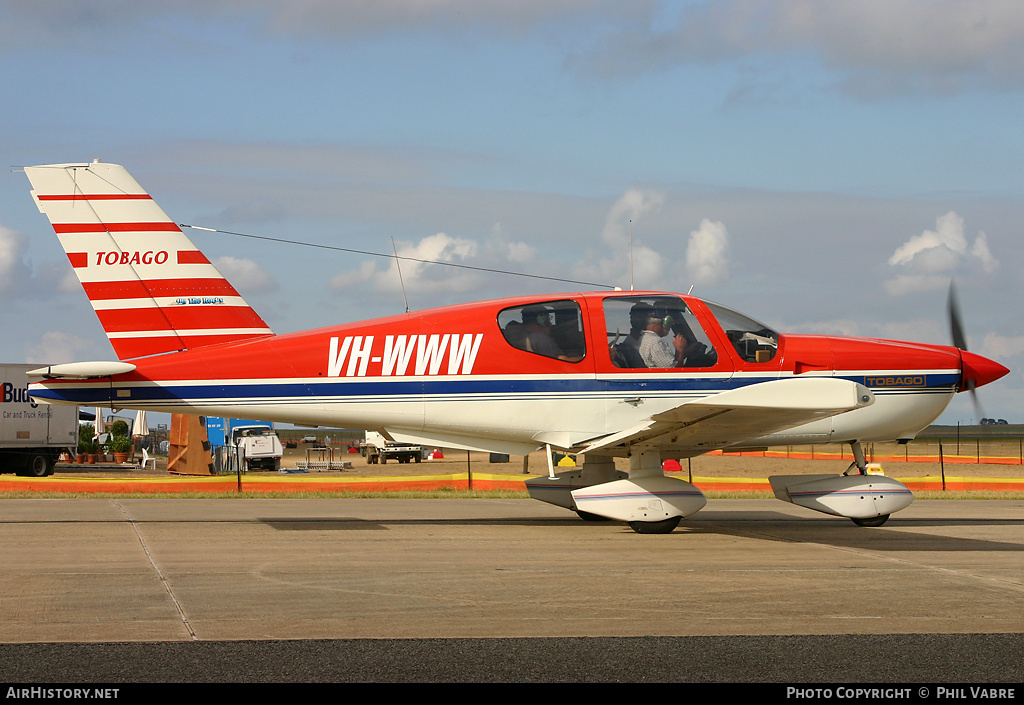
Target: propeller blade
960,341
955,319
977,404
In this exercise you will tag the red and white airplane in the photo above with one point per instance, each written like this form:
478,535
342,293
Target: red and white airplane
643,375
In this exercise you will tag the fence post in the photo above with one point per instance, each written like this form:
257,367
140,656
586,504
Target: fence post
942,467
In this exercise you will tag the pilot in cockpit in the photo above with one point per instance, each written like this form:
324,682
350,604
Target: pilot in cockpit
656,348
668,341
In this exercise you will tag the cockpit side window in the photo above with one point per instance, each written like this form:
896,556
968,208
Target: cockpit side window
655,332
549,328
754,341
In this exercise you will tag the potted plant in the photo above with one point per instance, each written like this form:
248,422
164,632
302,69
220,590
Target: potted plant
120,446
92,449
85,442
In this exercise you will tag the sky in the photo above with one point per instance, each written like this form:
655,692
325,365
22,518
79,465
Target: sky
825,167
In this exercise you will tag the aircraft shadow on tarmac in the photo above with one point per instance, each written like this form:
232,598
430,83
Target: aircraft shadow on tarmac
764,526
898,535
356,524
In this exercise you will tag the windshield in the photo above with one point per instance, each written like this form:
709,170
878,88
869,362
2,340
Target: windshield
753,340
657,331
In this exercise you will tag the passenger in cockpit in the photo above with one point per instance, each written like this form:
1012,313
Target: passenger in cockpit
537,322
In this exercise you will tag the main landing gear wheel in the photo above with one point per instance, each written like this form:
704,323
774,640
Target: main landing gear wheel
665,526
873,521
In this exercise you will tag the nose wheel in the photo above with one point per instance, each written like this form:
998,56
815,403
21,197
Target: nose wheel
665,526
873,521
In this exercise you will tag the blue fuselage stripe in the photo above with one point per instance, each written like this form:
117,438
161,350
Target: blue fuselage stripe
447,388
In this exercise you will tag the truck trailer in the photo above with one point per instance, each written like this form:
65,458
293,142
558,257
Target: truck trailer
32,435
377,449
259,446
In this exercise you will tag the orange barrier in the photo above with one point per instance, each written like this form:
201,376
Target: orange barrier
927,482
960,484
877,458
256,483
226,484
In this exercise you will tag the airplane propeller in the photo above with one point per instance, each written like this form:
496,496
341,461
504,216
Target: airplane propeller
960,342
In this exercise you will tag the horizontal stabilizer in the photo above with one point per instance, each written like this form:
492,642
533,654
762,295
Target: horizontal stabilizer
82,370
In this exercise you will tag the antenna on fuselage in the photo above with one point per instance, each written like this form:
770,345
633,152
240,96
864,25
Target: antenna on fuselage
631,254
401,281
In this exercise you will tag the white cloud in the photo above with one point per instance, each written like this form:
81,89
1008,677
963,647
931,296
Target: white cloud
915,283
66,19
415,270
874,47
630,206
878,47
621,258
12,247
515,16
69,283
947,240
927,261
1000,347
924,330
980,251
706,261
245,275
55,347
520,252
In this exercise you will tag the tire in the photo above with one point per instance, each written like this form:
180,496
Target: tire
872,521
39,465
665,526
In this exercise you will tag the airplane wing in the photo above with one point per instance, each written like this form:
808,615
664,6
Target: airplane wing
734,416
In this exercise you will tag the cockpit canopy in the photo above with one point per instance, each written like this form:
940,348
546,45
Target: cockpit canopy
644,331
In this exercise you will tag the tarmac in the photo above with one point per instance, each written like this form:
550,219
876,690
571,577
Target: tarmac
939,588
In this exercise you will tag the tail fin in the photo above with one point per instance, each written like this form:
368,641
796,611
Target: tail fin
152,290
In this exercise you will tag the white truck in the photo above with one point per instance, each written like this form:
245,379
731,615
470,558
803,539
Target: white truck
258,445
377,449
32,435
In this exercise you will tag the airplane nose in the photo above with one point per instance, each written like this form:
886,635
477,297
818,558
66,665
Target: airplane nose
978,370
